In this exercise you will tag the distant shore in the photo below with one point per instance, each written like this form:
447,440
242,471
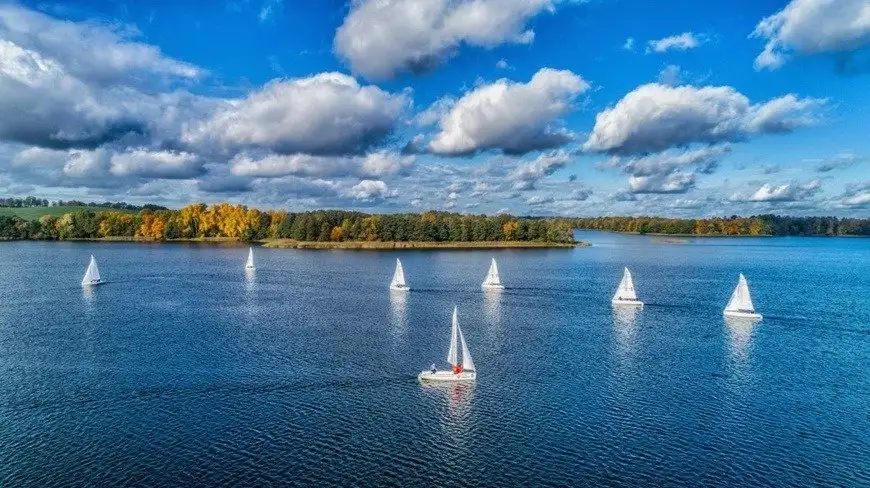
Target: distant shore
418,245
353,245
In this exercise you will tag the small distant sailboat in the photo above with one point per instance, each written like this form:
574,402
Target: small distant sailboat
398,283
625,294
250,263
492,280
92,275
740,305
463,366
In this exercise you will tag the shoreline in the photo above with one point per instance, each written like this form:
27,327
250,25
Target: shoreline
418,245
340,245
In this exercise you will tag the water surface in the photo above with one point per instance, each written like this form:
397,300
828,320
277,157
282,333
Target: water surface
184,370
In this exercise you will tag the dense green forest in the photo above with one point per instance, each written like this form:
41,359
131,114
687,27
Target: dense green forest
757,225
239,222
225,220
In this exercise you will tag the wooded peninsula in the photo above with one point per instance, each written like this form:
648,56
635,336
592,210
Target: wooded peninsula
39,219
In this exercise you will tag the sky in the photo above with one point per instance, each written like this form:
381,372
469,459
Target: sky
530,107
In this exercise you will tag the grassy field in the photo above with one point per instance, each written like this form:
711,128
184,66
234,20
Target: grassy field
34,213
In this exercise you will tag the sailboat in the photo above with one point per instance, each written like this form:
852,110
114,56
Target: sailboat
740,305
458,357
250,263
625,294
92,275
398,283
492,280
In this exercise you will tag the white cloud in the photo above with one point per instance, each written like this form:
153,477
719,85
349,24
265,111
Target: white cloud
670,75
269,9
856,196
705,159
539,200
157,164
90,51
675,182
513,117
680,42
327,114
628,45
812,27
381,38
503,64
655,117
376,164
840,161
789,192
527,174
370,190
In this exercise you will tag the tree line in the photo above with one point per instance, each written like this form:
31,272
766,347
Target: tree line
28,202
238,222
756,225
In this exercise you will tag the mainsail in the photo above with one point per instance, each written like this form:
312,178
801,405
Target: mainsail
398,276
492,278
250,263
92,275
457,341
625,290
740,301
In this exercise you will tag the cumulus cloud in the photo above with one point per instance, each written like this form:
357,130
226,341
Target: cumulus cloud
370,190
679,42
91,51
376,164
704,159
628,45
674,182
157,164
325,114
381,38
812,27
789,192
856,196
524,176
512,117
655,117
539,200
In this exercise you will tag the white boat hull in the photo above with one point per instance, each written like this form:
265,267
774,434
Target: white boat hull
400,288
492,287
250,268
446,376
742,315
92,283
627,303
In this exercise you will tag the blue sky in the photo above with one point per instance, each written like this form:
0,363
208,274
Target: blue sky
542,107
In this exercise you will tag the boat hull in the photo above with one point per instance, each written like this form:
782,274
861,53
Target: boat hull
742,315
400,288
627,303
446,376
492,287
93,283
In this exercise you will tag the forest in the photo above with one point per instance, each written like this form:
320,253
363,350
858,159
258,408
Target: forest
756,225
238,222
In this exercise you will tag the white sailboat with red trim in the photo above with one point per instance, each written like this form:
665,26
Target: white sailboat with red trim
462,366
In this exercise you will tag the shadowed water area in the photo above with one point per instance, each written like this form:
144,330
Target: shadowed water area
184,370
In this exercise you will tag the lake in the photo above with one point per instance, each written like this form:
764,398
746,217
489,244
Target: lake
183,371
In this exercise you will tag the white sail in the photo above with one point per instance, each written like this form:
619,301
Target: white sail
467,362
92,275
625,290
250,263
492,279
398,277
453,353
740,301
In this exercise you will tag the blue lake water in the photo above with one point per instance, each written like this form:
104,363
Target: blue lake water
182,371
